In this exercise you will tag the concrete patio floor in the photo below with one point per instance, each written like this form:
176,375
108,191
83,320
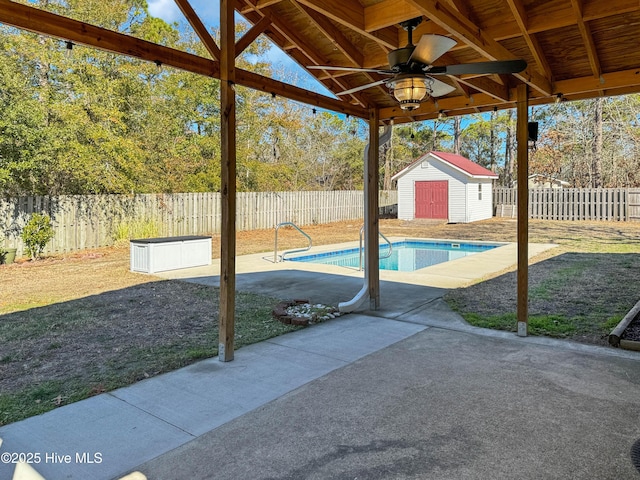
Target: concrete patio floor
409,391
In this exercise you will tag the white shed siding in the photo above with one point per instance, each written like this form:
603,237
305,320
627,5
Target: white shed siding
479,209
406,193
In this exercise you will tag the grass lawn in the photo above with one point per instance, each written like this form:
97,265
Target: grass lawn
80,324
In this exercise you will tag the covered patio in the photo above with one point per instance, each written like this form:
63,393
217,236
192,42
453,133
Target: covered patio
411,393
573,49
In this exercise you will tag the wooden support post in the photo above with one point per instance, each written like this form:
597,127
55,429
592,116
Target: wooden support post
522,135
371,227
226,323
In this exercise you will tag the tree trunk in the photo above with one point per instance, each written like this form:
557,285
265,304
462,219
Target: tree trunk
508,153
456,135
596,159
388,164
492,141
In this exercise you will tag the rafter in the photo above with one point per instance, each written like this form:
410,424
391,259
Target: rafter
306,49
488,86
252,5
255,17
254,32
585,32
387,13
299,42
473,36
352,16
463,8
200,29
355,57
327,28
392,12
268,85
520,14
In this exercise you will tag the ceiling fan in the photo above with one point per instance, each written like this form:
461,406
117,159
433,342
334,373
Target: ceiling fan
412,73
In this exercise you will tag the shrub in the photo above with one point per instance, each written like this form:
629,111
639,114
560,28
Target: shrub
131,229
36,234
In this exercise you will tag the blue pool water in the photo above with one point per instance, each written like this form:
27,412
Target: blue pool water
406,256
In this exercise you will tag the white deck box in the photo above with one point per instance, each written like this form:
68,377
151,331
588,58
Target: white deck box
151,255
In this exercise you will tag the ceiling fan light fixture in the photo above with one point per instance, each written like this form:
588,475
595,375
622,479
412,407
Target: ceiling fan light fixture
409,91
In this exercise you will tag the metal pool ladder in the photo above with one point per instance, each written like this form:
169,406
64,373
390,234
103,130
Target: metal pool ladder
299,250
360,249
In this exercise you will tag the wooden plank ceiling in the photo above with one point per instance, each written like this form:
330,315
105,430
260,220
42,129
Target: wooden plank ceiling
575,49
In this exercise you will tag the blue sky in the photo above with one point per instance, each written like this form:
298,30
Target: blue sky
209,13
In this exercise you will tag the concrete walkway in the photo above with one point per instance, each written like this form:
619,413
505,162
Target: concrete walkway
410,391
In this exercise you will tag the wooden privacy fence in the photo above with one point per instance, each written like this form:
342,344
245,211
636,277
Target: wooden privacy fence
611,204
82,222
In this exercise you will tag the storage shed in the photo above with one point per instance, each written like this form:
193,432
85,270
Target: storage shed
445,186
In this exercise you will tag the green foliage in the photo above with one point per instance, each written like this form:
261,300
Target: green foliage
36,234
87,121
131,229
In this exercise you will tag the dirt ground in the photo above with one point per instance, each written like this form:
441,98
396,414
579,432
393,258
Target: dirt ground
135,311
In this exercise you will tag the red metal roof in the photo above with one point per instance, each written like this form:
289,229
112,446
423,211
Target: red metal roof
464,164
457,161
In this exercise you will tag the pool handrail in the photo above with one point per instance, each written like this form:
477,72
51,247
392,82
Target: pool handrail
360,249
289,252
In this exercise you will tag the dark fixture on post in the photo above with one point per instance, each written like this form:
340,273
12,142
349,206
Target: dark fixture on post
533,135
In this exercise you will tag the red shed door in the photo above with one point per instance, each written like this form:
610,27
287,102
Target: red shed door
432,199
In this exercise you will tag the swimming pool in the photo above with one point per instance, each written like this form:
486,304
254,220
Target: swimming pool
406,256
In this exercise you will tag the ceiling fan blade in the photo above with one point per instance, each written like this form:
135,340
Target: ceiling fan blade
496,67
350,69
362,87
431,47
438,88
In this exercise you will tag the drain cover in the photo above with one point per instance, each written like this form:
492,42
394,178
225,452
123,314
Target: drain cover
635,454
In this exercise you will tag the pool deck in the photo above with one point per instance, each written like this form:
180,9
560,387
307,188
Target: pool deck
401,293
453,274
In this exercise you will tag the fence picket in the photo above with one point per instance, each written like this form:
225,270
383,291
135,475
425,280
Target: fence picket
610,204
90,222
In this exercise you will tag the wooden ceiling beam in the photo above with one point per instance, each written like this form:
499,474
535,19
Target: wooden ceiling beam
200,29
254,32
388,13
520,14
307,50
45,23
392,12
351,15
488,86
274,87
605,81
299,42
255,5
619,83
329,30
53,25
587,38
255,16
473,36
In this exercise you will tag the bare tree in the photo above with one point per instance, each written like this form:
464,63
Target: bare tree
456,135
596,153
